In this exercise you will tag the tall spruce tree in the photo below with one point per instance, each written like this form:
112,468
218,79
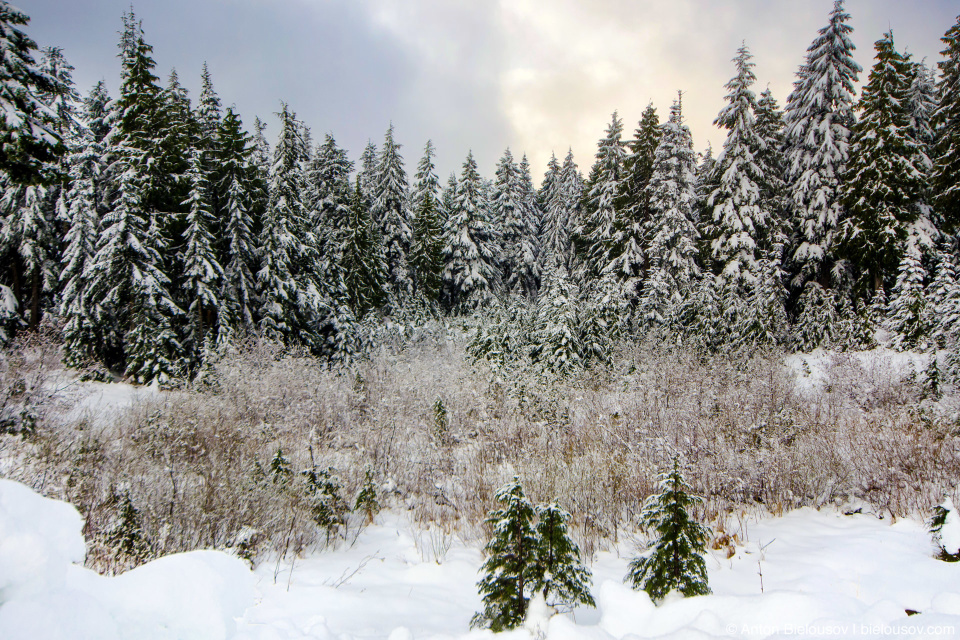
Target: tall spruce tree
739,216
885,173
29,138
946,171
426,254
287,304
672,196
391,213
238,247
818,118
601,199
507,211
469,253
530,252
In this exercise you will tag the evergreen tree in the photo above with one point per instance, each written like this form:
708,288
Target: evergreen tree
426,254
557,343
908,316
675,562
509,574
559,571
288,300
600,203
773,162
571,196
238,253
29,139
818,119
817,323
737,206
128,289
946,171
82,203
28,232
672,197
391,214
202,270
364,271
209,114
469,254
368,172
885,171
629,246
530,253
508,217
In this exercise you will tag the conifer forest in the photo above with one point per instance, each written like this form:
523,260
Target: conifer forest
313,334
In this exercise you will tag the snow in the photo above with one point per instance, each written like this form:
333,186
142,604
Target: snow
46,595
823,574
813,370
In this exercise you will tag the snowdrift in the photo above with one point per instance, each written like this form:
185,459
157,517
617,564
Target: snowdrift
45,593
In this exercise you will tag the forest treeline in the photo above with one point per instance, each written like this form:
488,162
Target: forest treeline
152,231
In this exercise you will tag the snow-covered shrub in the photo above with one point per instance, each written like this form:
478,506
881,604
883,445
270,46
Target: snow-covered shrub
945,529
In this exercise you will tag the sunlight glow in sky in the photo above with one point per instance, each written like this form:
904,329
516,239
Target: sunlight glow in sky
535,75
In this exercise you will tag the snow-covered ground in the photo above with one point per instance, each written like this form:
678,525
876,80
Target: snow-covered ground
824,574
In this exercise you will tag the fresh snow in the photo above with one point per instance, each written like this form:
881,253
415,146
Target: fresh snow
823,574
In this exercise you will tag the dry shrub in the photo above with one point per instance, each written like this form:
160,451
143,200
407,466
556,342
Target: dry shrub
196,463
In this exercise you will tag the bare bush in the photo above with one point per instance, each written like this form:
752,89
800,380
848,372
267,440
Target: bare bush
197,463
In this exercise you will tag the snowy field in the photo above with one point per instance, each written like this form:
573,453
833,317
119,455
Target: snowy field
824,574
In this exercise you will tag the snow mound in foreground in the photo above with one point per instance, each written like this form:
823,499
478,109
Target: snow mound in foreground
46,595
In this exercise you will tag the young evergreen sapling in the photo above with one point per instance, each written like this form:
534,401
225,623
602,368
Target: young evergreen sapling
559,573
675,561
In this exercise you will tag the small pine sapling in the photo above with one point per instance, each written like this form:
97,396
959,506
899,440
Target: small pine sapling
508,571
441,423
125,536
367,498
675,560
322,490
945,529
280,471
932,382
559,573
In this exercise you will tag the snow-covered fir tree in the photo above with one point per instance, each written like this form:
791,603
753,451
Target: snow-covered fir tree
675,561
672,196
509,570
557,343
773,162
391,214
737,208
595,232
426,254
82,204
362,265
203,272
530,254
909,316
469,253
28,234
629,245
368,171
288,301
885,172
131,294
818,118
817,321
28,129
946,170
208,113
506,215
559,572
238,253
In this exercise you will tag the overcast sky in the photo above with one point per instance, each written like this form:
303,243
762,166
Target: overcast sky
534,75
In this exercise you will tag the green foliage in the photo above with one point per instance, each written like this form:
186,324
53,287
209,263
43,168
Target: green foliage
559,572
280,471
125,537
523,560
674,561
367,498
511,555
322,490
441,423
936,524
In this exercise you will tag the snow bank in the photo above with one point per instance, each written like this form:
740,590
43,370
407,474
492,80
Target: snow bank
46,595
